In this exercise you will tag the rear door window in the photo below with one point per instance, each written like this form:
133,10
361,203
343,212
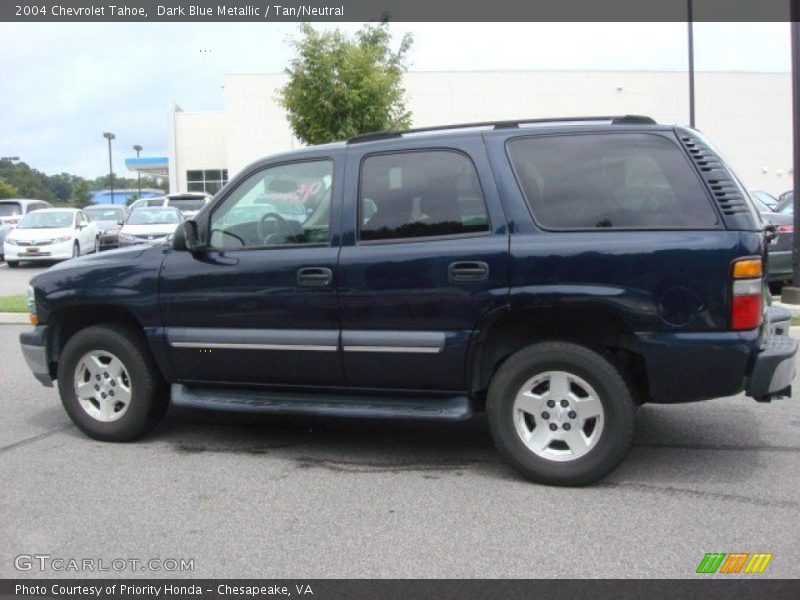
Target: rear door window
628,180
418,194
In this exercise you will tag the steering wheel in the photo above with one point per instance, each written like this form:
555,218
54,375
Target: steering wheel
271,224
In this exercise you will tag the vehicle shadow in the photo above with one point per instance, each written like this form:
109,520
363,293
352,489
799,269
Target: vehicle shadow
678,445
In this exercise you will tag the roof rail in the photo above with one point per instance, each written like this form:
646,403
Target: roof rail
389,134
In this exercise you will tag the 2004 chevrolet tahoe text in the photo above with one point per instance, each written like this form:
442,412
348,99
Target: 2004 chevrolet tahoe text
556,274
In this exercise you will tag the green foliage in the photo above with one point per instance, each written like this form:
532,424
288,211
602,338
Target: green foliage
7,190
30,183
340,86
16,304
80,194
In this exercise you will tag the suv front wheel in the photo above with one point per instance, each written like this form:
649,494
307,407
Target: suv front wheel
561,413
109,384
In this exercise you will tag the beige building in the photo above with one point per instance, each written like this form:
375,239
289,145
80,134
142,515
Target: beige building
747,115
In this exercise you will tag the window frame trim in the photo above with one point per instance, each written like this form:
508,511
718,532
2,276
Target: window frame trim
406,240
718,225
260,169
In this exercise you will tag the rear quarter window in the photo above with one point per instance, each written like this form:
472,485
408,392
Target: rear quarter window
609,181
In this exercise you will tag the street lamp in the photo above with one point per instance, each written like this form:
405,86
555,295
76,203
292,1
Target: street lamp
690,22
138,149
110,136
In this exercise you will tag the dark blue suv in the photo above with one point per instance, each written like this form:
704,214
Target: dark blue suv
556,274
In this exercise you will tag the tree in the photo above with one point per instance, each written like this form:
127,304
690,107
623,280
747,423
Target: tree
340,86
30,183
80,196
7,190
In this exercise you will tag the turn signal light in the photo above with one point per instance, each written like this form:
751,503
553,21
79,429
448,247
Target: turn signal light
33,319
785,229
749,267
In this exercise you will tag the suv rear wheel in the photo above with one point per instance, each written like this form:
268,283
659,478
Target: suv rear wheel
109,384
561,413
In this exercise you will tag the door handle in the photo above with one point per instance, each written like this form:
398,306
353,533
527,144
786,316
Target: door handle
468,271
314,276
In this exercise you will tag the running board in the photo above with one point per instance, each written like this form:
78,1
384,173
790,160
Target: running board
452,408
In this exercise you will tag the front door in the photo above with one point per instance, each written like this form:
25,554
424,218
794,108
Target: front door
259,306
425,259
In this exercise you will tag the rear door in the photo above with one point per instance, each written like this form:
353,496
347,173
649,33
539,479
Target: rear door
425,258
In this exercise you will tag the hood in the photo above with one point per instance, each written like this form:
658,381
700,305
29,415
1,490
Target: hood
39,234
156,230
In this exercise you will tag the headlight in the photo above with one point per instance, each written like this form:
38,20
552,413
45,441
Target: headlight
32,305
127,238
59,240
11,242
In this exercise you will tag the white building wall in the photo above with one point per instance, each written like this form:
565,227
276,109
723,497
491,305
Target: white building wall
746,115
200,142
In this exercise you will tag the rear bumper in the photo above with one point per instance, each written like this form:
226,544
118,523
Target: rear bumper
34,349
774,366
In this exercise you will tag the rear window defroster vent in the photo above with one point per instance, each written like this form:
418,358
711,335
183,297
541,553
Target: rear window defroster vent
719,180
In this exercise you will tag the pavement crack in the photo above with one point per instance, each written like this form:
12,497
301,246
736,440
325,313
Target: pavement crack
35,438
701,495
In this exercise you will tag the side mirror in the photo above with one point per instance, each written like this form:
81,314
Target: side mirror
120,222
186,237
770,232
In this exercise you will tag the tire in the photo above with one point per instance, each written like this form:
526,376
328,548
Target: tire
582,450
138,382
12,264
76,250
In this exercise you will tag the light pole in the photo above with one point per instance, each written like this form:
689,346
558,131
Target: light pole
795,16
110,136
138,149
690,22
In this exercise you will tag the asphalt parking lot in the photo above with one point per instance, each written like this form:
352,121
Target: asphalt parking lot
291,497
14,282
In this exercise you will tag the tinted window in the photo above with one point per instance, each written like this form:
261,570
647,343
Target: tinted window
609,180
104,213
420,194
10,209
187,203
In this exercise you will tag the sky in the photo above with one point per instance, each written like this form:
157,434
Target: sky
63,84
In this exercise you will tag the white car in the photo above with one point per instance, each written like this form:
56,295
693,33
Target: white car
189,203
149,226
50,234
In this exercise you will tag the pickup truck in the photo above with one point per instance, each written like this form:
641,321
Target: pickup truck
556,274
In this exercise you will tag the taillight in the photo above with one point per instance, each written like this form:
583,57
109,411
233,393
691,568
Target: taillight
785,229
747,293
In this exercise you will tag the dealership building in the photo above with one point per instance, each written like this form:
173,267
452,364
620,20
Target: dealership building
746,115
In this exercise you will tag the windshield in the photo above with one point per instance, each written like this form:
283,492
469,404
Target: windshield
10,209
154,216
764,198
787,209
187,203
104,214
46,220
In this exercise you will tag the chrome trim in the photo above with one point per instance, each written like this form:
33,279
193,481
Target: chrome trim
410,349
240,346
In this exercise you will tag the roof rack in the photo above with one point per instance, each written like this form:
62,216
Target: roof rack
389,134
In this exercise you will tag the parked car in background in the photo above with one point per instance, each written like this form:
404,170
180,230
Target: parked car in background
50,234
107,217
189,203
786,203
765,198
13,209
4,229
779,244
149,225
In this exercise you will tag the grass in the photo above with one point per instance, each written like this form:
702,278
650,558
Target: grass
795,321
15,304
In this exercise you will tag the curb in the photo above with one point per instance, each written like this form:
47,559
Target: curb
14,318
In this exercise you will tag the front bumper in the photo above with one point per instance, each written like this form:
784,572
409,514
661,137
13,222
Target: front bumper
60,251
774,367
34,349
